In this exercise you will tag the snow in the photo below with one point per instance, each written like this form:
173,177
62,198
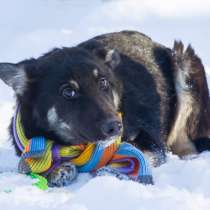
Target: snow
180,184
30,28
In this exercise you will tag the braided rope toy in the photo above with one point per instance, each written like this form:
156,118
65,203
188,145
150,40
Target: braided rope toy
41,156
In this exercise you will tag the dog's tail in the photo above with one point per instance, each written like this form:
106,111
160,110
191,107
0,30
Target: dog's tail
191,128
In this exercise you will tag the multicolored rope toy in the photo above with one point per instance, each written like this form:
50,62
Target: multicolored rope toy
41,156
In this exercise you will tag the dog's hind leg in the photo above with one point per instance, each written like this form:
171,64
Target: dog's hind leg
191,128
202,144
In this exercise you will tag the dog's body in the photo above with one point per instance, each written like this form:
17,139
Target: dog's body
73,95
165,93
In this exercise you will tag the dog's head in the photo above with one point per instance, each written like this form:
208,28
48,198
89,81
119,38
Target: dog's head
69,95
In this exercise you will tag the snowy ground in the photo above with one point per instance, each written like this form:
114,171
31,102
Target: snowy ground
29,28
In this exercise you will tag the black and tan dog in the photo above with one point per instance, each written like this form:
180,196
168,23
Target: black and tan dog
72,95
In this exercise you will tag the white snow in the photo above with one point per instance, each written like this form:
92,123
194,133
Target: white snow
30,28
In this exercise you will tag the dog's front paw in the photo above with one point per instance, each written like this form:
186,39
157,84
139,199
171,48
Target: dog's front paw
64,175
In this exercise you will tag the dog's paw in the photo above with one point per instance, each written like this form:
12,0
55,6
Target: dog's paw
107,171
64,175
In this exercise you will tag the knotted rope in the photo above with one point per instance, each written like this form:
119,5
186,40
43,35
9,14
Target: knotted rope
40,155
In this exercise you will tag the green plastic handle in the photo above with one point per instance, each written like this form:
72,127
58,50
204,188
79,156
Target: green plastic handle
42,182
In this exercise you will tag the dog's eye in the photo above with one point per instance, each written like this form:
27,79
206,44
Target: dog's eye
103,83
68,93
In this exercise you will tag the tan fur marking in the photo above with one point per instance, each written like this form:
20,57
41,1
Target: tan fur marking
74,84
95,73
116,98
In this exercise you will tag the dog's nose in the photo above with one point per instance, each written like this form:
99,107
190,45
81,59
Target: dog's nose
111,128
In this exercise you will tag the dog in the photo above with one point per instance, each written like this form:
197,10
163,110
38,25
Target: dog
73,95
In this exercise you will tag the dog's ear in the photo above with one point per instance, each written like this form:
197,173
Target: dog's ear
13,75
112,58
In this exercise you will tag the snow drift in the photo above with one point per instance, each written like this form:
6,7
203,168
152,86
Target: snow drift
36,27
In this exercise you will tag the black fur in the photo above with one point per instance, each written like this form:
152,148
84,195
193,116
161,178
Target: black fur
140,72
